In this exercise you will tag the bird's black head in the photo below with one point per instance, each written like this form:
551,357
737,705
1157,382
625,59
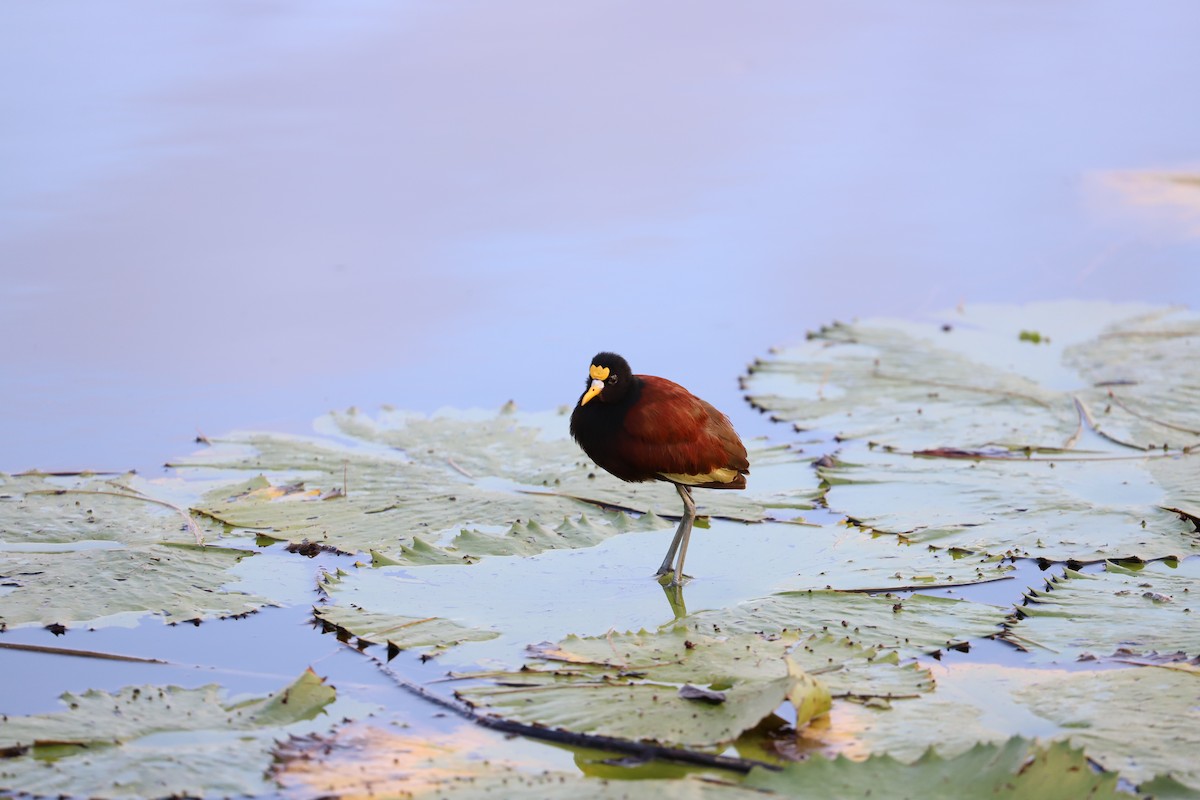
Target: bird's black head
609,379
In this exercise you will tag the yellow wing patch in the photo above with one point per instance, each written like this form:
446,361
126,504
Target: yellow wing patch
719,475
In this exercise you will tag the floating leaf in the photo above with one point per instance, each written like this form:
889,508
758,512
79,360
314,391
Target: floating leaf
847,557
117,587
99,551
405,476
627,685
395,630
1057,509
1151,609
969,396
154,741
971,383
1140,721
1016,769
38,513
808,695
528,538
913,625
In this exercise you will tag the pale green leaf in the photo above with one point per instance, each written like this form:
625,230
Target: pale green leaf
117,587
1014,770
1053,508
154,741
1144,610
913,625
808,695
402,485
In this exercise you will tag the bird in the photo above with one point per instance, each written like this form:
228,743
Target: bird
645,428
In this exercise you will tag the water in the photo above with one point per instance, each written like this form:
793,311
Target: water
228,216
224,217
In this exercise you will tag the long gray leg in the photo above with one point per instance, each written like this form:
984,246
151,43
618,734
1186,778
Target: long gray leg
682,534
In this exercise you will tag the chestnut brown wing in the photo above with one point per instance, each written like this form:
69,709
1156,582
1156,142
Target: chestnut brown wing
672,433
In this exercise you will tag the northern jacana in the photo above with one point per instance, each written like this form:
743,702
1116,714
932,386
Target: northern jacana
646,428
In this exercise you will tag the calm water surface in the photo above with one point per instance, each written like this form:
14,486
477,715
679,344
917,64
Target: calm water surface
220,216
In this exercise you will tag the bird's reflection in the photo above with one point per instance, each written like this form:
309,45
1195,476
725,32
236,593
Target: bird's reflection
674,591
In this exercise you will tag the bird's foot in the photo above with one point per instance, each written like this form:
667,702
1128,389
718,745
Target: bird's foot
670,578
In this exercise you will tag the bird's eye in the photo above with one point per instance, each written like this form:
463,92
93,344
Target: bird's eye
612,379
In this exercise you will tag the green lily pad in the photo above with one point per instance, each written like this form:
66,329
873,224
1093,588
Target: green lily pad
1147,610
972,398
82,514
381,483
1139,721
525,539
629,685
849,558
1054,508
396,631
534,450
118,587
1016,769
100,552
909,626
969,382
154,741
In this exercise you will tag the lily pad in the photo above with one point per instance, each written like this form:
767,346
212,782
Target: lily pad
525,539
999,422
847,557
1016,769
1145,610
117,587
1053,508
376,485
396,631
909,626
969,382
98,551
1142,721
1139,721
628,685
154,741
83,514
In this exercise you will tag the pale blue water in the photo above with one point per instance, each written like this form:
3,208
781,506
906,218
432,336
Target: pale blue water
219,216
225,216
